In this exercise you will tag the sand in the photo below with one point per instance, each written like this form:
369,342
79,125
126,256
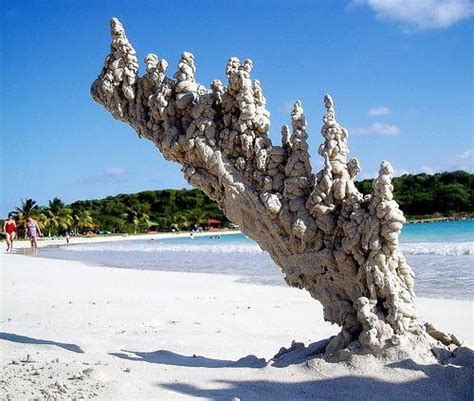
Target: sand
70,330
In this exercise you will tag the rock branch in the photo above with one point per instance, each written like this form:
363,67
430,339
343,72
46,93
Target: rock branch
328,238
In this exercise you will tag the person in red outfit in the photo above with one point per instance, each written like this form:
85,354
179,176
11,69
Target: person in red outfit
9,228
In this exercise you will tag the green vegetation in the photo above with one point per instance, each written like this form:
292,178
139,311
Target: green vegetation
420,196
432,195
163,210
158,210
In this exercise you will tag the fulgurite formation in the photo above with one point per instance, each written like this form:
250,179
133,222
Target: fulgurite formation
325,235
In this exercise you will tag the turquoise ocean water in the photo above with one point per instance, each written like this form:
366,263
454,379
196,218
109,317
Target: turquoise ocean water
441,254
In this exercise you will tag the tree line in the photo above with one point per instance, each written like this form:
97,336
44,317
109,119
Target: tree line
423,195
162,210
419,196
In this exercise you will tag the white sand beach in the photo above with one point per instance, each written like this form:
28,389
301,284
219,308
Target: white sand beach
71,331
22,243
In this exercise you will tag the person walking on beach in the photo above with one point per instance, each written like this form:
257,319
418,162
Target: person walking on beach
32,232
9,228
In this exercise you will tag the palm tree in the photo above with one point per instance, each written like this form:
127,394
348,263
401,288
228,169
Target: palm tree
65,218
27,208
131,218
50,221
56,205
83,220
57,217
181,220
144,221
41,219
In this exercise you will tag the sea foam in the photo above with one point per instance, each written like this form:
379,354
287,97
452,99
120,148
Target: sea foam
417,248
438,248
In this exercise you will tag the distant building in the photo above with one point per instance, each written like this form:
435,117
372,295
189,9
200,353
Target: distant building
153,227
213,224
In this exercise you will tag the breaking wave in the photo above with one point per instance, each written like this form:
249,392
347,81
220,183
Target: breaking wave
413,248
175,248
438,248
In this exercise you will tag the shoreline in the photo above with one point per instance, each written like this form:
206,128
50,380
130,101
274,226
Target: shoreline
108,333
46,241
439,219
23,243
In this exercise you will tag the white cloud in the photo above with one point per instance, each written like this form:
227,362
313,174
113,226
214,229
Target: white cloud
377,129
115,171
379,111
468,154
464,161
109,176
420,14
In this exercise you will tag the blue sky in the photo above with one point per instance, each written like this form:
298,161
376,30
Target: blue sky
400,72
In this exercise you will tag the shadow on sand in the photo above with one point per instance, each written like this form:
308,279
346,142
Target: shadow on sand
451,381
296,354
194,361
439,382
30,340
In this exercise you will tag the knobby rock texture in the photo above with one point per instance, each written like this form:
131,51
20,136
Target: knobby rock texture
328,238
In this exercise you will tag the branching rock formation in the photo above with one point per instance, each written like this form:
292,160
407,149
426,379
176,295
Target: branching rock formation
327,237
